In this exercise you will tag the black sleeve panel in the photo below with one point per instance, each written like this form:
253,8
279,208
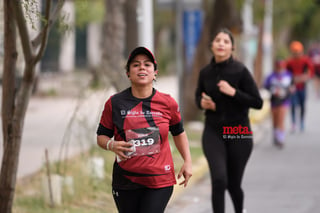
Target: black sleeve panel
176,129
104,131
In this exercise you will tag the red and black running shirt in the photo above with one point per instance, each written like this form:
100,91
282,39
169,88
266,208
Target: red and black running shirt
124,112
298,66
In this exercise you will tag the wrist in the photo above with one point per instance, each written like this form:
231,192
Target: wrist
110,141
187,159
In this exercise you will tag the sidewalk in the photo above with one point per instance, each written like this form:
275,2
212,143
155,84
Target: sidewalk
277,181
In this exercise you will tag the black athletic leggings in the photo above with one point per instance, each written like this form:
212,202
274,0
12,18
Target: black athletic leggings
143,200
227,159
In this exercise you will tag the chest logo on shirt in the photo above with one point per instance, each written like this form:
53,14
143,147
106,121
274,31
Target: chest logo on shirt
139,113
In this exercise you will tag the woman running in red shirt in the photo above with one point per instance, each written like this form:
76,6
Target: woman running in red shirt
134,125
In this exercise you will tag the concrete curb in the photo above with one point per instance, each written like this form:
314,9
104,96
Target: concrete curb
199,169
257,116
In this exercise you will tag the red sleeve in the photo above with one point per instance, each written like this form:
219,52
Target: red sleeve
310,66
176,125
106,117
174,111
289,66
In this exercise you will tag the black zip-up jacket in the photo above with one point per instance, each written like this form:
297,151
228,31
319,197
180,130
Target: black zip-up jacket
229,110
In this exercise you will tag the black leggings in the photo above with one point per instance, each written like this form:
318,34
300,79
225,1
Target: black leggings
227,159
143,200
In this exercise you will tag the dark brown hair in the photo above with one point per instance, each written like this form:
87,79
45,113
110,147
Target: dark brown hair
226,31
138,51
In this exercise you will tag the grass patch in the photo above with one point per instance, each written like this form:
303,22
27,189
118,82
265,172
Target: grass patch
90,194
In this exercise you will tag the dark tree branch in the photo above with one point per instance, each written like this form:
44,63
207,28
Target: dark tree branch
45,34
23,30
50,20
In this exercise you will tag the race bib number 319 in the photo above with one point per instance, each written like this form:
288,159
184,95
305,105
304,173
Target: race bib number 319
146,141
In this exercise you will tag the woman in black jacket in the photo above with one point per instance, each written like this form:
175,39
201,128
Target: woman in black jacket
226,91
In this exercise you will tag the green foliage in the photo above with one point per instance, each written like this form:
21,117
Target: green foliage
292,20
164,25
89,11
299,16
289,13
165,57
86,11
164,18
32,13
306,26
239,4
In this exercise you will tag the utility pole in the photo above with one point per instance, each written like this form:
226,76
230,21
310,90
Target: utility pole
179,52
145,24
249,36
267,39
67,45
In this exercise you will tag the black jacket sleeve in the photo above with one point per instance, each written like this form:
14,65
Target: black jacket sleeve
247,93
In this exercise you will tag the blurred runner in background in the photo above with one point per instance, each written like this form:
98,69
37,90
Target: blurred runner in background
280,85
301,68
226,91
314,54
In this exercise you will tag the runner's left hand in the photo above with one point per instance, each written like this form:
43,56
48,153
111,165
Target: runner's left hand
186,172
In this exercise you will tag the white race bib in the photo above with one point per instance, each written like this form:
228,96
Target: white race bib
146,141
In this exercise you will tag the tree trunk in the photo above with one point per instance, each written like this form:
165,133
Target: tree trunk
113,64
131,25
258,77
15,103
9,163
224,14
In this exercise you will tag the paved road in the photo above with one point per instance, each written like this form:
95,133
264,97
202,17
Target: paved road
276,181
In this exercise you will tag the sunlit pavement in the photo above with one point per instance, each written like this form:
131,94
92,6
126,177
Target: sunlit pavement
276,180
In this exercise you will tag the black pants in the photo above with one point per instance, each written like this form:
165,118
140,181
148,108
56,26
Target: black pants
143,200
298,99
227,159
